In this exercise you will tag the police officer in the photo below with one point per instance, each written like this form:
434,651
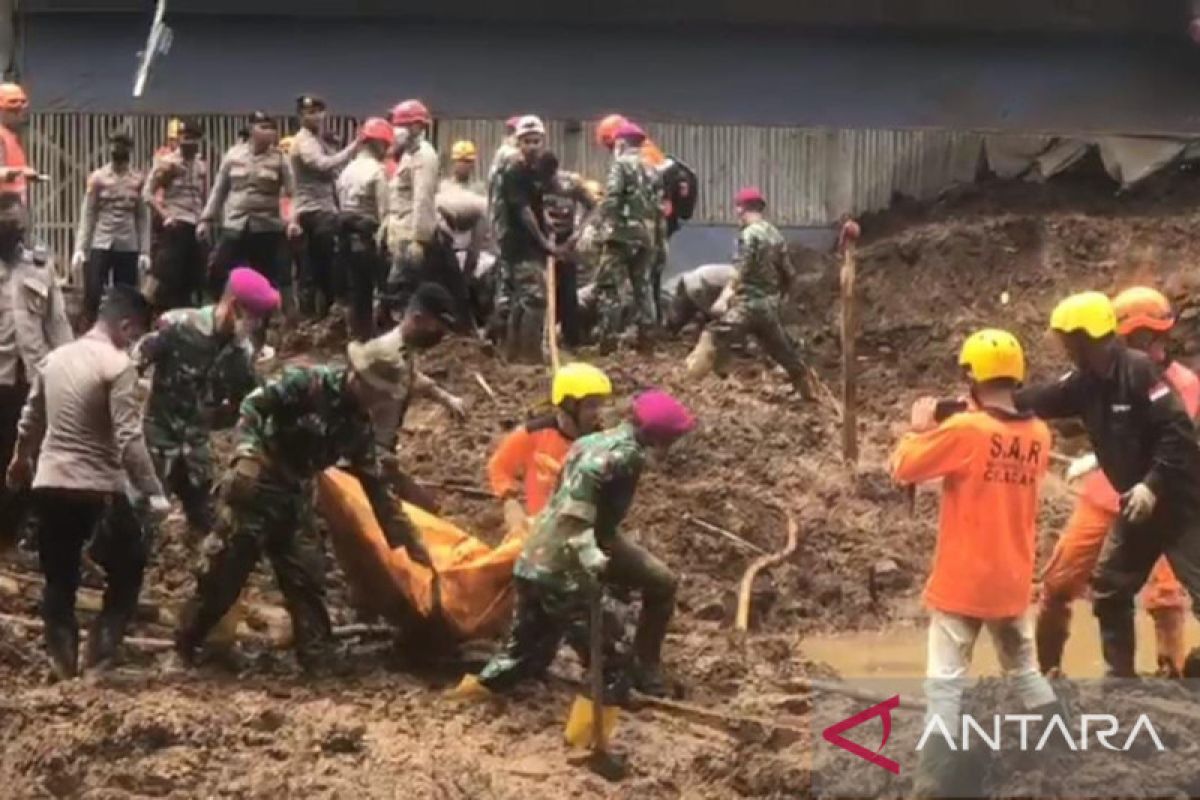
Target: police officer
114,226
33,321
246,201
177,188
412,206
314,207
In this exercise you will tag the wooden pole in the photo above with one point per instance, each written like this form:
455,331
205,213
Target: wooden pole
847,240
552,312
742,621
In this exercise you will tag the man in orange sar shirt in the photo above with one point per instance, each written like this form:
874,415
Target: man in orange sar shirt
992,460
536,450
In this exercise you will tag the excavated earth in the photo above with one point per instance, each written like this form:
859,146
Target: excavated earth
994,255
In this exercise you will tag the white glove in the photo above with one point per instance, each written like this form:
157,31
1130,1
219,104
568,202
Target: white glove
159,506
1082,466
593,560
77,259
143,264
1138,503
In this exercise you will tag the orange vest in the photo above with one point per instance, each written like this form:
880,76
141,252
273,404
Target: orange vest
1096,489
14,157
992,468
535,451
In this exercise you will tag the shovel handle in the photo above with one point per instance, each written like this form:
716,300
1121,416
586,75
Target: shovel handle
596,633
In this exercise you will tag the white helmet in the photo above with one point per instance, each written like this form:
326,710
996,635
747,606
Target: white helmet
530,124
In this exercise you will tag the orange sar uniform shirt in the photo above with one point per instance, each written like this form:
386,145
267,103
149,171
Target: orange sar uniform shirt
535,451
992,464
1074,558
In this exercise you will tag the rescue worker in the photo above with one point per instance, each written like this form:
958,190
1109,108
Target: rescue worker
1145,444
176,190
629,214
575,548
519,216
507,149
993,459
463,227
33,321
568,205
251,183
536,450
764,277
363,197
696,294
15,172
82,425
315,166
1144,322
412,207
113,238
308,419
203,363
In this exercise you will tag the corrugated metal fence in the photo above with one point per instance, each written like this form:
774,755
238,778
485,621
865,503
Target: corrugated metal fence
811,176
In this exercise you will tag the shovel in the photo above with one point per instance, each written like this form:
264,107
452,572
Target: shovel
590,722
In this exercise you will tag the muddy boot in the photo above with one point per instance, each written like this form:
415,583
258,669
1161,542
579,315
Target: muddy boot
1118,642
649,679
62,645
1191,664
104,637
1053,628
804,384
1169,635
703,357
935,770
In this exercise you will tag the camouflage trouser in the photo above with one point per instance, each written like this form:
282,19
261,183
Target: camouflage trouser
526,279
543,618
657,267
759,319
623,288
274,517
631,566
186,470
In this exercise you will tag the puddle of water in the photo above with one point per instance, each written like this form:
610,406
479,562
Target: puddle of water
900,652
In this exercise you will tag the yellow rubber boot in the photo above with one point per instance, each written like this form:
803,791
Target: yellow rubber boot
469,688
578,732
703,357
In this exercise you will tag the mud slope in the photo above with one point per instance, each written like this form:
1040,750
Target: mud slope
928,275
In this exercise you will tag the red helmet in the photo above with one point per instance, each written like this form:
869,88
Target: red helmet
630,133
606,129
410,111
379,129
747,195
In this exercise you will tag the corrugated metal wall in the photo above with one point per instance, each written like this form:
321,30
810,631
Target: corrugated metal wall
810,176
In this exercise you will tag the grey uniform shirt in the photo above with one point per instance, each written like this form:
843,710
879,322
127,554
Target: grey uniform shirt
363,188
114,215
248,189
33,317
315,166
703,285
84,415
412,205
184,185
462,213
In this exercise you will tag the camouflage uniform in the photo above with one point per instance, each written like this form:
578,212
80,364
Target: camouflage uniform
763,270
197,371
292,428
630,215
568,204
521,294
596,487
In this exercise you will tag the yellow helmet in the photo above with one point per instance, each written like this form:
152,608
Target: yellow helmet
579,381
1090,312
174,126
462,150
285,145
594,189
992,353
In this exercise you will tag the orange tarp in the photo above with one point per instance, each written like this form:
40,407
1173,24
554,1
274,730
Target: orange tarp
475,579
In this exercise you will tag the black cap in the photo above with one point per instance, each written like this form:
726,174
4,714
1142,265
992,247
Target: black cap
263,118
309,102
434,300
191,127
120,137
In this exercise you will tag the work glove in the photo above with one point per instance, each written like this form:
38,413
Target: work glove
242,480
1138,503
1082,466
158,507
77,259
143,264
294,231
593,560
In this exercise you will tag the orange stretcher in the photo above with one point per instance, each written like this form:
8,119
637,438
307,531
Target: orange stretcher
475,580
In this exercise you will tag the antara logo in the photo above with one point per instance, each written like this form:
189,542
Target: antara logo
833,734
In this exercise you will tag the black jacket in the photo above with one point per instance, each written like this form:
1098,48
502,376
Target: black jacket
1137,424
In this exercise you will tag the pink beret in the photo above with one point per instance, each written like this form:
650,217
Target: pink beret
253,291
660,415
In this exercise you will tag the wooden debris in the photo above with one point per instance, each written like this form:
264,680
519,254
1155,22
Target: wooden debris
483,384
460,488
763,562
733,537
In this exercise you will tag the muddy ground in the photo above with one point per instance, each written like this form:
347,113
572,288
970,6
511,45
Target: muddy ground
995,255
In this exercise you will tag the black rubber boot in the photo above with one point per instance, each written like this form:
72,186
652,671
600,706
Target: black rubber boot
62,644
1118,642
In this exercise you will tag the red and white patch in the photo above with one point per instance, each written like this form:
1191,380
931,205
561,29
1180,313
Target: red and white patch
1159,391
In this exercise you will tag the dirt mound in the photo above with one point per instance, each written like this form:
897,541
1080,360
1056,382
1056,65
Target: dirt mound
1000,256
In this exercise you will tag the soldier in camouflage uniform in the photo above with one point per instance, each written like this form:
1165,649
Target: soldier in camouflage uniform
518,214
753,299
630,215
203,363
309,419
576,547
569,204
